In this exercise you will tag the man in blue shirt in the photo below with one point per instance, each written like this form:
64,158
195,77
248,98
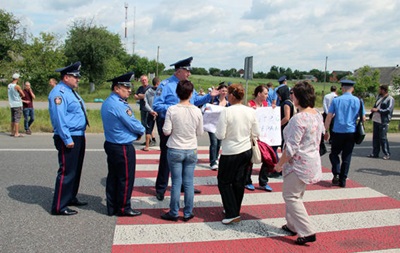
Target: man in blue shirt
121,128
272,96
345,109
164,98
68,117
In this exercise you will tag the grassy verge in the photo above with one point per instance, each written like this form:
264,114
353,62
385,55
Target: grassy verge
42,122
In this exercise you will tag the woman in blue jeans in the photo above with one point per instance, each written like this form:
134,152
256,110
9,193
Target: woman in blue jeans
215,144
183,123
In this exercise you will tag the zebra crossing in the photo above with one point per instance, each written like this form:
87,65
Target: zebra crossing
351,219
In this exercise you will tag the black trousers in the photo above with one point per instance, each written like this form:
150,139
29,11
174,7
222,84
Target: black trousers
341,143
163,168
121,160
231,181
70,162
262,176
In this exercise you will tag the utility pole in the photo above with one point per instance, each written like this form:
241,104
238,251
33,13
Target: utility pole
326,63
158,55
134,21
126,27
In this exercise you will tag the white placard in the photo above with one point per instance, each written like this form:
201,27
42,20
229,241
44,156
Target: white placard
211,117
269,120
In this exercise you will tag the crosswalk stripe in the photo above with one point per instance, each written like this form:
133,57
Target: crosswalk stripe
351,219
214,231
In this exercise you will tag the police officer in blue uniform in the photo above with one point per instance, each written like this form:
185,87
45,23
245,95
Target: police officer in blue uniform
68,117
121,128
345,110
164,98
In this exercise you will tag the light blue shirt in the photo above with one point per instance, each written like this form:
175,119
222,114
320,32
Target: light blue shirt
119,122
66,114
166,96
345,109
271,96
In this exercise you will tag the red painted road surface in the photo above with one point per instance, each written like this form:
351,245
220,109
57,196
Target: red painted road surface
353,219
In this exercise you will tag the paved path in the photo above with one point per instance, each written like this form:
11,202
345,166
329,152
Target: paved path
359,218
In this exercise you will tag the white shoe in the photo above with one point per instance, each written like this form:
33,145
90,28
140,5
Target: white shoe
231,220
214,167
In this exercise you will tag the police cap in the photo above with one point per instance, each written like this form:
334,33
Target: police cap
183,64
124,80
346,82
282,79
72,69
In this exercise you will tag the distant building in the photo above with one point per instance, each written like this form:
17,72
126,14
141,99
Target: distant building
386,74
310,78
337,75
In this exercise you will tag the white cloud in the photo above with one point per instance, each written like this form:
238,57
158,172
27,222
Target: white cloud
287,33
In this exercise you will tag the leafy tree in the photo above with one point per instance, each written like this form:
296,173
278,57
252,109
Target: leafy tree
289,73
318,74
11,42
93,46
199,71
367,81
396,83
40,59
214,71
260,75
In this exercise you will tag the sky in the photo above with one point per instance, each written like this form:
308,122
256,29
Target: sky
301,35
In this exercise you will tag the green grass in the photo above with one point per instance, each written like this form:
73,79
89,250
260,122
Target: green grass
42,121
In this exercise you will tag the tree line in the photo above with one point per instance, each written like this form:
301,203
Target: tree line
103,57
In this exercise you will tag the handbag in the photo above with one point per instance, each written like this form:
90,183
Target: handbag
322,147
359,135
256,153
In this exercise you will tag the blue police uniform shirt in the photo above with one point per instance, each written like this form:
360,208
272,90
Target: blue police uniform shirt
166,96
271,96
345,109
119,122
66,114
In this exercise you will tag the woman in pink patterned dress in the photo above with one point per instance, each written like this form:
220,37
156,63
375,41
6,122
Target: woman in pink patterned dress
300,161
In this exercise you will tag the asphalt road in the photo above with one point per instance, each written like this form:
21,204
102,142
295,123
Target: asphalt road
28,169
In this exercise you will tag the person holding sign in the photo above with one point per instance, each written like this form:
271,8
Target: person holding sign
260,100
215,144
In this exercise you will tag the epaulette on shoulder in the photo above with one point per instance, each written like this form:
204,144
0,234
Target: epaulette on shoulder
62,89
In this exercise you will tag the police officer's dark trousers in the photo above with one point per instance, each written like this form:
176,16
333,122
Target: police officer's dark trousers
341,142
68,178
163,168
121,160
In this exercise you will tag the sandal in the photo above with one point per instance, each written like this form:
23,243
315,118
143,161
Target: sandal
306,239
143,149
20,135
287,229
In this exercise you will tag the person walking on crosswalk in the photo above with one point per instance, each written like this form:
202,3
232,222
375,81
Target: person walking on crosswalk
237,124
183,122
300,161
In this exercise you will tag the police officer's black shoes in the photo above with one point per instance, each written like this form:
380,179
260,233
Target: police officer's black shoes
160,196
335,180
78,203
67,211
129,212
167,216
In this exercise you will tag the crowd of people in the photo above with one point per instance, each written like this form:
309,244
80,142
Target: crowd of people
173,106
